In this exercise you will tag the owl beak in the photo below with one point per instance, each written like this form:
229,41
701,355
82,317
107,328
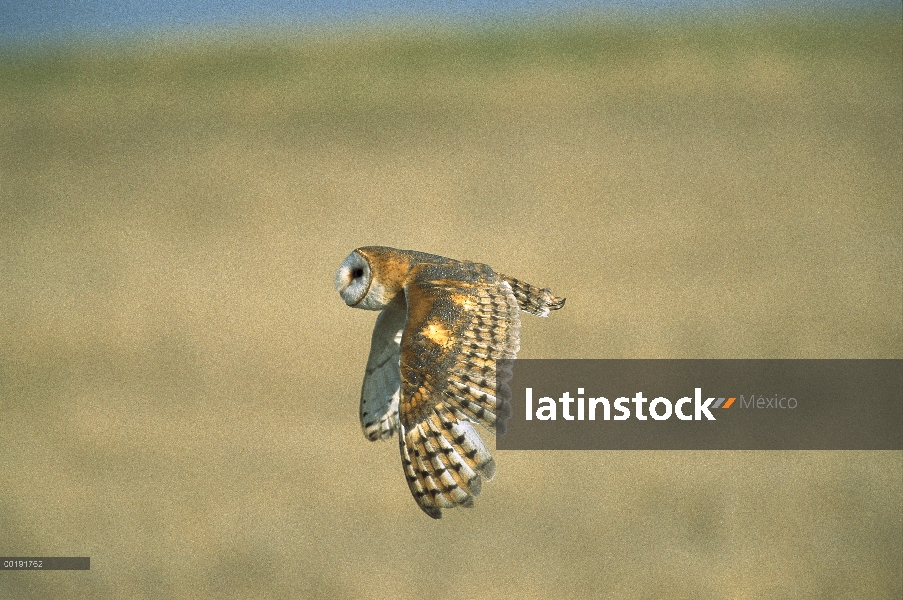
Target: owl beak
342,279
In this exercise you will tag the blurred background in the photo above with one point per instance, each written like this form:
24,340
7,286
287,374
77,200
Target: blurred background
179,380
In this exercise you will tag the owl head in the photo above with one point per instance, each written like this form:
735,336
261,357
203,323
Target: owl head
372,277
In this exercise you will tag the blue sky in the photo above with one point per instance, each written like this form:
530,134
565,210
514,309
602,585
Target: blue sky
30,19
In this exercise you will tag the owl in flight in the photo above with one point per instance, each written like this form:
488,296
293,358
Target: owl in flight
431,373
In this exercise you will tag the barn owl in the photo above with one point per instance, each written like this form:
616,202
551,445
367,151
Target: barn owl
431,373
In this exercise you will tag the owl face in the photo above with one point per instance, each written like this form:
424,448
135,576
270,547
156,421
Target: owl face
353,278
362,285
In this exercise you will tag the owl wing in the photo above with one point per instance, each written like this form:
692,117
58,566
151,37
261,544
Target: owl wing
531,299
382,380
461,318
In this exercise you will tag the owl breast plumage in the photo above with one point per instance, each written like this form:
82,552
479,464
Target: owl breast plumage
431,374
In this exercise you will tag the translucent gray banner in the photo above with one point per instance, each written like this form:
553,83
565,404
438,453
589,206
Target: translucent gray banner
702,404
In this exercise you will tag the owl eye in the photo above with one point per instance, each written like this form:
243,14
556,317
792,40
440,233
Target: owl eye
357,273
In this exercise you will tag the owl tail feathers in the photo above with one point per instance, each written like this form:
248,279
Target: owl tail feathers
444,461
532,299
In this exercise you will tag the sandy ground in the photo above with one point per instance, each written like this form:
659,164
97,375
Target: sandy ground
179,379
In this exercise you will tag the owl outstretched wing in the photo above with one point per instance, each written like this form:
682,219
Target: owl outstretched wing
382,380
461,319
